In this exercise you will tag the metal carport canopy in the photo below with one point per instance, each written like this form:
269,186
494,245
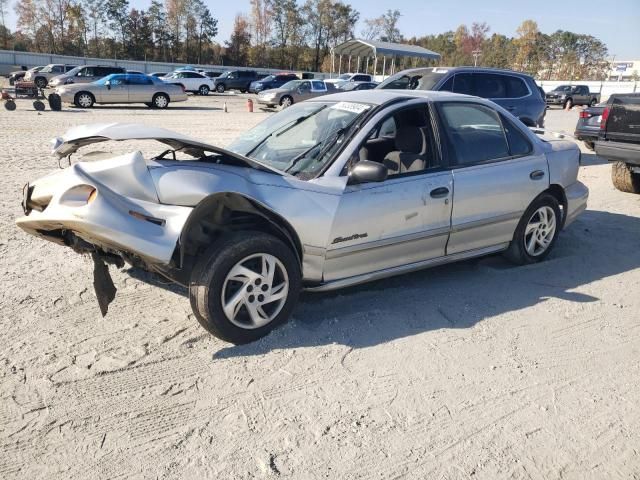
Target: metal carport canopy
374,48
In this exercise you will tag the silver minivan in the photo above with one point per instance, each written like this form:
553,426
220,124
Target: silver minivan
85,74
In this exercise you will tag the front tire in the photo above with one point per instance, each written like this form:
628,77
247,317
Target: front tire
624,179
203,90
160,100
536,232
220,88
244,286
84,100
286,101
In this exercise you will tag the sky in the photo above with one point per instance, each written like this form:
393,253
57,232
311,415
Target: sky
615,22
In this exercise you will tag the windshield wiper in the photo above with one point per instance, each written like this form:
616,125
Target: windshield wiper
285,128
330,140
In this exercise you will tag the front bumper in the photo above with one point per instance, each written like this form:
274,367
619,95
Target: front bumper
577,196
554,101
271,102
113,222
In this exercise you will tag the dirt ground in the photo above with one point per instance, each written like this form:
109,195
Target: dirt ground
473,370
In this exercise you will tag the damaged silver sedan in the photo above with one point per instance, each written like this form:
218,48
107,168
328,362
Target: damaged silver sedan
329,193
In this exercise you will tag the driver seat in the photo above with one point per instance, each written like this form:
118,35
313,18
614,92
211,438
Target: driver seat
410,153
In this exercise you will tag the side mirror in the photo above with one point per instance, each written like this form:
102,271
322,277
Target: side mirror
366,171
108,84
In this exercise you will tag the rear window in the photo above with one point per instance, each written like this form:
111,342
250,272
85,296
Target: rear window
489,85
474,133
415,80
516,87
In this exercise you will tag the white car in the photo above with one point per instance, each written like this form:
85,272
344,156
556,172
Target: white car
191,81
350,77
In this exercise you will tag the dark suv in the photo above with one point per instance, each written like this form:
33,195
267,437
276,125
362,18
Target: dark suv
235,80
514,91
272,81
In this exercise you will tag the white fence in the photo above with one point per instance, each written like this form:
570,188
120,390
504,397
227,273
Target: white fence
10,60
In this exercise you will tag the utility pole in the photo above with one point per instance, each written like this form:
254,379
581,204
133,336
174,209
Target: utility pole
476,54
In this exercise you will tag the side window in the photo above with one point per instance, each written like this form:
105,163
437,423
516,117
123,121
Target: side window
519,144
68,67
57,69
474,133
489,85
516,87
360,78
138,80
388,128
462,83
118,80
305,86
448,85
318,85
233,75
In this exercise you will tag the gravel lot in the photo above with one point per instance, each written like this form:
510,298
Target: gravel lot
473,370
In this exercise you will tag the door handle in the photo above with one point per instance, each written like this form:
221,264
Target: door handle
439,192
536,175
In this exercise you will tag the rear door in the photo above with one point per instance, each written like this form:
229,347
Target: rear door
140,88
495,171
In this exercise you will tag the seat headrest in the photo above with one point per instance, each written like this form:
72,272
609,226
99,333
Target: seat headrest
409,139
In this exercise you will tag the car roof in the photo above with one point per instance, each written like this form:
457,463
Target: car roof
470,69
380,96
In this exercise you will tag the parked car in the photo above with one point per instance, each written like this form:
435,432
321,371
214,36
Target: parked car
84,74
349,86
295,91
271,81
588,126
20,74
135,72
619,140
42,77
122,88
331,192
570,95
191,81
235,80
515,91
211,74
345,78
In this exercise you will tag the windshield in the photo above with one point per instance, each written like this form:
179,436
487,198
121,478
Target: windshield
562,88
73,71
267,79
47,69
344,76
424,79
301,139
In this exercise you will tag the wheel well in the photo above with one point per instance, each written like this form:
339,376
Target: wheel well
223,213
161,93
558,192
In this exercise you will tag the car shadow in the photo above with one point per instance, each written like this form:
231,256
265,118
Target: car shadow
144,107
590,159
457,295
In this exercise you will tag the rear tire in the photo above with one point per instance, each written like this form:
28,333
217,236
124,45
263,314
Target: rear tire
203,90
220,88
231,279
41,82
590,145
593,102
536,232
624,179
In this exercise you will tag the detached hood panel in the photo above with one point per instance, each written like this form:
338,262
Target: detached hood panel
84,135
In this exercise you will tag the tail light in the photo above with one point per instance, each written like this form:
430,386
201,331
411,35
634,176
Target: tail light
585,114
605,116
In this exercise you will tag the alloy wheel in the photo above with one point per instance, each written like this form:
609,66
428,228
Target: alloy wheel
540,231
255,290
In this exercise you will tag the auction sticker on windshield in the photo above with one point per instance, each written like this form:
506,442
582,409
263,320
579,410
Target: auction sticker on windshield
351,107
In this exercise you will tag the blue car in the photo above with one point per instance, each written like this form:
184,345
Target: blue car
272,81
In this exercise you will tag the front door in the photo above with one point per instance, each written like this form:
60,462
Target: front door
118,91
496,175
402,220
